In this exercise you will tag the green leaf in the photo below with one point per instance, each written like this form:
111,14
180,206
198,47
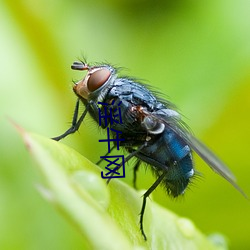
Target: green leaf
106,215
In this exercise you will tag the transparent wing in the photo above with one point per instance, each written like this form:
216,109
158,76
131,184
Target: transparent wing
175,124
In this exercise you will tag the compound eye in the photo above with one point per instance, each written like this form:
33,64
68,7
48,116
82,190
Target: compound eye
97,79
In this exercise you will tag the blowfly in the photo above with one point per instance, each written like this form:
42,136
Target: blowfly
152,129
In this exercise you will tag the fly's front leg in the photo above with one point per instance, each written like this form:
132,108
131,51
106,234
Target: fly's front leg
75,123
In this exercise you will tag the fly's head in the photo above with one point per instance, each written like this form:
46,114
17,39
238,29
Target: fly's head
95,81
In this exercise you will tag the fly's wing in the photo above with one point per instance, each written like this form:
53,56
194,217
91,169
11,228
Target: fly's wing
175,124
212,160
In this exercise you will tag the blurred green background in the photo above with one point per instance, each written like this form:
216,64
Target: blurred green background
196,52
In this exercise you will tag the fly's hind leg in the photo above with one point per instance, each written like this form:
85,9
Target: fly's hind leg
145,196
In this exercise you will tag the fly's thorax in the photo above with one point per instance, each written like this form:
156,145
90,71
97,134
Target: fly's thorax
94,85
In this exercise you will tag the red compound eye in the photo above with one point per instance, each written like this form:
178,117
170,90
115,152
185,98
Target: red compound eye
97,79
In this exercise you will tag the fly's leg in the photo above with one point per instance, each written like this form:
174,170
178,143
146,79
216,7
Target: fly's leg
105,155
75,123
132,154
145,196
136,167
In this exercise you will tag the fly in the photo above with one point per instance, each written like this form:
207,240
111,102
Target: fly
152,130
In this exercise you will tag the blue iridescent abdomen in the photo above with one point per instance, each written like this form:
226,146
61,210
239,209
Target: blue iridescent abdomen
170,154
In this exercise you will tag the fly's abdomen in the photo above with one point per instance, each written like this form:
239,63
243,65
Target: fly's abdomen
178,176
180,166
171,155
